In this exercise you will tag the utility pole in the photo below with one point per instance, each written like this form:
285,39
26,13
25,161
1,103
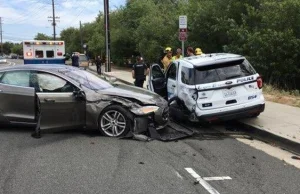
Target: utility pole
53,20
1,36
107,35
81,41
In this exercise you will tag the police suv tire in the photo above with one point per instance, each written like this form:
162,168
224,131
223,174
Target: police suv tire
114,116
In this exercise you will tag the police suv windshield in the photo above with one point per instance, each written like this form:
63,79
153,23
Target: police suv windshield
216,72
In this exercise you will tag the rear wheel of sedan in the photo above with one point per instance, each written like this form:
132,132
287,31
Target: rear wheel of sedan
113,121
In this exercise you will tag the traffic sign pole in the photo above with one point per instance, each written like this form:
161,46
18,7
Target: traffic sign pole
182,45
182,31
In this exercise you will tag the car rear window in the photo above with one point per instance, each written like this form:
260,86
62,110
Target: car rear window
216,72
82,58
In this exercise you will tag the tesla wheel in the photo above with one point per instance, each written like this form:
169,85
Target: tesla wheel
113,121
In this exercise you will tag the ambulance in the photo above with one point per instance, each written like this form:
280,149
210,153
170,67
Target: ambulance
44,52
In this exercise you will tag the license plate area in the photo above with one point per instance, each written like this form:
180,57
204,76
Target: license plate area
229,93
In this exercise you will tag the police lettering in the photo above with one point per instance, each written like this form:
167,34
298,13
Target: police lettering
245,79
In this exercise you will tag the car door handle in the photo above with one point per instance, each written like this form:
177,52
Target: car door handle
173,86
49,100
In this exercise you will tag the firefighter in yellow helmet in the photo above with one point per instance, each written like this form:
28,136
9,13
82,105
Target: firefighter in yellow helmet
198,51
167,58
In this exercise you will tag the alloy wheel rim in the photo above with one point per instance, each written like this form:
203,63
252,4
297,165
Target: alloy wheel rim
113,123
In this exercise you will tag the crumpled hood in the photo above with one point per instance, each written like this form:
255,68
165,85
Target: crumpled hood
142,95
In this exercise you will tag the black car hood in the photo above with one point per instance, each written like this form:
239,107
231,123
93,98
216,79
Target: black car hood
142,95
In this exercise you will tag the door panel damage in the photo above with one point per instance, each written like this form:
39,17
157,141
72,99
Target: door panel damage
143,127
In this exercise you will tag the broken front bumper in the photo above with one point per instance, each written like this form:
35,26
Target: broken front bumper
159,119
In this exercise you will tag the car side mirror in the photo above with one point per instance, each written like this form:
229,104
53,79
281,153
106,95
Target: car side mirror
79,94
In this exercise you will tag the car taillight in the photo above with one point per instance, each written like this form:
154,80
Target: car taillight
29,54
59,53
259,82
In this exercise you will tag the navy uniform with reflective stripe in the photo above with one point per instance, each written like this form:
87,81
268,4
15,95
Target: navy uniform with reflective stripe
139,72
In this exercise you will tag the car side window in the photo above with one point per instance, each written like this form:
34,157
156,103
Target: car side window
52,83
172,71
1,73
16,78
157,72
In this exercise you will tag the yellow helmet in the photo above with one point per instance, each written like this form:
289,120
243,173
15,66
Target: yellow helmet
198,51
167,49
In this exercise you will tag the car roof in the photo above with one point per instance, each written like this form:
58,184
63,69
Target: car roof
48,67
212,58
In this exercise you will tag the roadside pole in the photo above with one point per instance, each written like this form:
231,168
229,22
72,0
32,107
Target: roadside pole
182,31
107,35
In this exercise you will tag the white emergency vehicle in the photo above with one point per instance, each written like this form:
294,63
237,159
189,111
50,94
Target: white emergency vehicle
211,87
43,52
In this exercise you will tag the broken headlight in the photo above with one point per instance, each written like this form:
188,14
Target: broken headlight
144,110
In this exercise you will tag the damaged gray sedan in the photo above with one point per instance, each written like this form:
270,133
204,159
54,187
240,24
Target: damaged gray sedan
65,97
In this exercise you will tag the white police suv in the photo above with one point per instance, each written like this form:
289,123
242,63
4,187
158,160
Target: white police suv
210,87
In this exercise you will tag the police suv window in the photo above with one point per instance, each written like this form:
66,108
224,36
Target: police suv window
157,72
221,72
39,54
187,75
172,71
49,54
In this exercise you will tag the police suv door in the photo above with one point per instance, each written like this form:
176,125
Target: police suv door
157,81
171,77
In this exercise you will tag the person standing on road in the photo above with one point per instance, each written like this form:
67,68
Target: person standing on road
139,72
75,60
190,51
167,59
98,64
178,54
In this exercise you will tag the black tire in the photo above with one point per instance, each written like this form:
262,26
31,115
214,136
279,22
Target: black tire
113,121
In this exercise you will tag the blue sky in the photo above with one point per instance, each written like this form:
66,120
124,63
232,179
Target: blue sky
23,19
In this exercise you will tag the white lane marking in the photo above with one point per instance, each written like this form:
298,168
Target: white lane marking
177,173
205,184
218,178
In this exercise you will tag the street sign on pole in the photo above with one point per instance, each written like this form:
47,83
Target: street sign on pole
182,30
182,21
182,35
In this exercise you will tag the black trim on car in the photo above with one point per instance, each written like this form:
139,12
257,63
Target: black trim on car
234,114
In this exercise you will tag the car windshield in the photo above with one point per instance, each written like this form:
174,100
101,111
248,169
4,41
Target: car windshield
217,72
88,80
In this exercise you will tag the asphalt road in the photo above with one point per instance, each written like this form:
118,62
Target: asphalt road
81,161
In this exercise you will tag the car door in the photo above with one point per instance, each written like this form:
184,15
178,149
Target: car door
17,98
59,106
171,77
157,80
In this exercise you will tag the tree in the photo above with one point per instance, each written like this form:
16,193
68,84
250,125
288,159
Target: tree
17,49
41,36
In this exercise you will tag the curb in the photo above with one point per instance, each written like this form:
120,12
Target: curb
107,75
270,138
255,132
